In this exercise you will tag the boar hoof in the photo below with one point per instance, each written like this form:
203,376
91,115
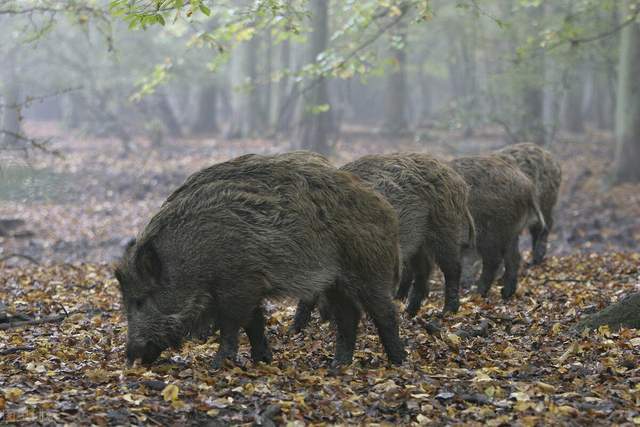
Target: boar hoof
340,362
220,360
412,310
507,293
263,355
451,308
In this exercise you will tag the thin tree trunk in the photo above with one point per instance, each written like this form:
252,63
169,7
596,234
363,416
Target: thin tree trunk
627,156
167,114
207,114
11,123
267,102
316,117
574,121
396,100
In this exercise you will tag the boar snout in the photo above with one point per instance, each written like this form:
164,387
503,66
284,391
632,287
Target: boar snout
148,352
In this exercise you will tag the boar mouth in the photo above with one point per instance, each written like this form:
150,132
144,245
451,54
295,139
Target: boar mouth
148,353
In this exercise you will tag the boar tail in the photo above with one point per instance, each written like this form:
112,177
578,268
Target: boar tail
471,228
536,213
397,271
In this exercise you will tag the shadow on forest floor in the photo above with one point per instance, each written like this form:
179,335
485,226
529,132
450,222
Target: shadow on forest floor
82,208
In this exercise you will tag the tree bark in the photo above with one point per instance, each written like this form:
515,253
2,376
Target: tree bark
282,110
574,120
11,121
316,119
625,313
627,156
167,114
395,99
207,114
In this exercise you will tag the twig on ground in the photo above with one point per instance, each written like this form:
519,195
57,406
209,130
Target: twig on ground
13,350
48,319
27,257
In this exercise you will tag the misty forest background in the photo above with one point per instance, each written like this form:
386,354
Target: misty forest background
115,82
107,106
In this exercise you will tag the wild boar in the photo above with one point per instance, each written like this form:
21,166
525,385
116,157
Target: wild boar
545,172
430,200
259,227
503,202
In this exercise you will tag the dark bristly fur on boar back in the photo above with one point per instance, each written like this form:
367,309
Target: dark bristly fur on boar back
502,201
430,200
260,227
545,172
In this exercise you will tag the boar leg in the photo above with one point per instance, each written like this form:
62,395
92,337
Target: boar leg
405,283
303,315
229,329
260,351
379,306
512,260
347,316
448,259
422,264
539,237
326,315
490,265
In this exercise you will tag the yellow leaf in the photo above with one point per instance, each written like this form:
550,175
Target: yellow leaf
522,406
567,410
572,348
482,377
170,392
33,400
490,391
421,419
520,396
454,340
604,331
12,393
508,351
129,398
556,328
97,375
636,421
421,396
547,388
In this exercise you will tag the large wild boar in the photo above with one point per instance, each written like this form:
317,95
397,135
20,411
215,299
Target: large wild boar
502,201
430,200
261,227
545,172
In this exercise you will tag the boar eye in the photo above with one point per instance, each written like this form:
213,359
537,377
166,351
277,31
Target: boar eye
138,303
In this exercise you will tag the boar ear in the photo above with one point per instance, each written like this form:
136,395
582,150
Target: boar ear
119,276
131,243
147,260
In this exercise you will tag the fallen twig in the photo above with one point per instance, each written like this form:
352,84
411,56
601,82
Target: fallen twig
564,281
48,319
13,350
27,257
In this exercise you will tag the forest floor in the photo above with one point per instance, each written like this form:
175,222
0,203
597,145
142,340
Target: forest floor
493,362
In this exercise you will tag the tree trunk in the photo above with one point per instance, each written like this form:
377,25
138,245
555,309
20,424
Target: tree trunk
574,121
265,121
395,99
167,115
207,114
627,156
11,123
625,313
316,116
531,127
